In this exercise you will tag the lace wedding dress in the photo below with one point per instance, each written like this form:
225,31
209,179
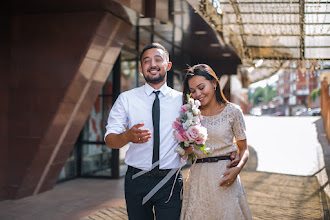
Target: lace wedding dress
203,198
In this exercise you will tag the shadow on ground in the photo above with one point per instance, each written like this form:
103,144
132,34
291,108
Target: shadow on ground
252,163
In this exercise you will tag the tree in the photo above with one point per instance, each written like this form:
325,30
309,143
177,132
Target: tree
270,93
258,95
262,94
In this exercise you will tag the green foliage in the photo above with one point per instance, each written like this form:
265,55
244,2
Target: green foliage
315,93
262,94
258,95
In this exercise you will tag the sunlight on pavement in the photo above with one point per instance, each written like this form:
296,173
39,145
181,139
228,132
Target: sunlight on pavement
286,145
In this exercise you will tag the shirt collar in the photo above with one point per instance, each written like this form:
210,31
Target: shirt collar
149,90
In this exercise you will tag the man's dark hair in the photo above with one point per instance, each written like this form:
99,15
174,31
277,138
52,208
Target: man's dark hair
154,45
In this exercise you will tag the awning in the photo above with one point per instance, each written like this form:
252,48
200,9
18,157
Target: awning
268,34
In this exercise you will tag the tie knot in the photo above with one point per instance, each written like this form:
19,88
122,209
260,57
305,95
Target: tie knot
156,93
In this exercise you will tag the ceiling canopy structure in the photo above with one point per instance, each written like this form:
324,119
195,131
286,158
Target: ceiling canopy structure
269,34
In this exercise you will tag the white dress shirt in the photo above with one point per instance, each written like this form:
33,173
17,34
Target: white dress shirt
135,106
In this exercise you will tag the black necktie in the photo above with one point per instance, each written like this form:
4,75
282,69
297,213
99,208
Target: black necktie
155,122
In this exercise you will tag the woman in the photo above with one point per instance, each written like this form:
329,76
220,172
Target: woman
214,191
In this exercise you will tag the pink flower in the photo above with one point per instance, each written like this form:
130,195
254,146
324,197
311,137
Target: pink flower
180,136
192,132
180,129
176,124
199,140
197,133
184,108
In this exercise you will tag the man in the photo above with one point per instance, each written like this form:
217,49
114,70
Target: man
133,110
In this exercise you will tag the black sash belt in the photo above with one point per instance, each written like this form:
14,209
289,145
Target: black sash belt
212,159
154,172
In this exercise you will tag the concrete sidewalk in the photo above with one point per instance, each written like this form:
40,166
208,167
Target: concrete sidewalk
271,196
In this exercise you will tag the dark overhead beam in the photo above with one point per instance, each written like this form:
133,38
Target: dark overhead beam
267,3
267,68
277,13
272,23
293,47
234,5
161,37
286,35
302,28
288,58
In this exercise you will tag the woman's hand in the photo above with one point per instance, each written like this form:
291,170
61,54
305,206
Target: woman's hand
234,159
229,176
189,150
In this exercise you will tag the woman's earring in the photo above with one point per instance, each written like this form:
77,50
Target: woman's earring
215,88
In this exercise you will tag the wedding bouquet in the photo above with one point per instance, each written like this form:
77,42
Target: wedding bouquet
188,128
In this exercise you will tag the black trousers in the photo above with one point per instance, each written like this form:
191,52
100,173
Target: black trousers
136,189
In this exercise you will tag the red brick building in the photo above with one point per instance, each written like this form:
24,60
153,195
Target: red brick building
295,86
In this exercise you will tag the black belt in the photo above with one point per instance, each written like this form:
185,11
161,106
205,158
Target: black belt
212,159
154,172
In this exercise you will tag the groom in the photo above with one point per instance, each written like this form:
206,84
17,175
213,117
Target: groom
143,118
133,110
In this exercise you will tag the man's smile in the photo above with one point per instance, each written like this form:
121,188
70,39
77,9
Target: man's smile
153,70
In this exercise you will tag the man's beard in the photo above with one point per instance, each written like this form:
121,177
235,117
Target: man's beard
156,80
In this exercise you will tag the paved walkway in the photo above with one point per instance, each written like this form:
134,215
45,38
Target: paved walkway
271,195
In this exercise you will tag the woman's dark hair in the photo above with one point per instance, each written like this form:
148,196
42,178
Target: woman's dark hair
209,74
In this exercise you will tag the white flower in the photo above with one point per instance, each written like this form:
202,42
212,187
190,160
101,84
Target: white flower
203,132
189,115
191,101
187,124
195,110
179,150
196,120
197,103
